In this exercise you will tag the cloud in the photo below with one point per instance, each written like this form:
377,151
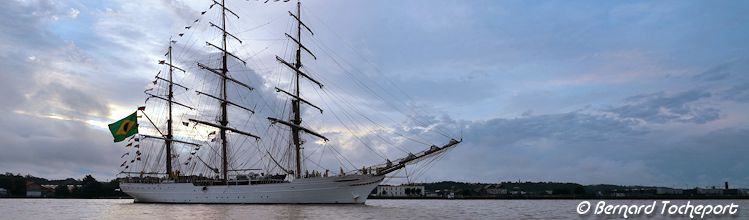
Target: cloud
58,94
592,149
54,148
560,147
703,159
717,73
73,13
738,93
663,108
568,126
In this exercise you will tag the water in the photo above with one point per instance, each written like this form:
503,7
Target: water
374,209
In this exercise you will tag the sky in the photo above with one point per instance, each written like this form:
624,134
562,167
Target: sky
629,92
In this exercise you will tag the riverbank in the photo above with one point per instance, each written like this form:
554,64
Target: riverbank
577,197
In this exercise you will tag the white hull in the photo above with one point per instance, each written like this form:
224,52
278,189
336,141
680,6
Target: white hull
349,189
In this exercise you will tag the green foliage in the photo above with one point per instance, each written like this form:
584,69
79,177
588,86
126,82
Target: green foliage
15,184
88,187
62,191
465,192
579,190
561,191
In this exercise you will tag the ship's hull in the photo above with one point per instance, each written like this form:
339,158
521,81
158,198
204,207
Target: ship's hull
350,189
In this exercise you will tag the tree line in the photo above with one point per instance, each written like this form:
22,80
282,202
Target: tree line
87,187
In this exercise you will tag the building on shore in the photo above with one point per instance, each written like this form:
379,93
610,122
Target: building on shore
668,191
3,192
399,191
495,189
35,190
734,192
70,187
704,191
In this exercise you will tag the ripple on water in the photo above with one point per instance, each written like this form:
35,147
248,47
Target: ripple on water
374,209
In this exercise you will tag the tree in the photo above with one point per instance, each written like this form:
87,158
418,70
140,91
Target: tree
90,188
62,191
15,184
561,191
75,192
466,192
579,190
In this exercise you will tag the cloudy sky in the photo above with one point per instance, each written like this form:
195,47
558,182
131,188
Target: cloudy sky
634,92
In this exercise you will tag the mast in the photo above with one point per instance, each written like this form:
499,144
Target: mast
223,123
295,103
296,119
169,135
224,118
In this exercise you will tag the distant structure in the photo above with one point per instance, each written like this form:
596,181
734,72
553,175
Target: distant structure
35,190
70,187
399,191
495,189
3,192
668,191
704,191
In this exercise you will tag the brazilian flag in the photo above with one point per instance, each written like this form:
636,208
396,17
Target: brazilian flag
125,127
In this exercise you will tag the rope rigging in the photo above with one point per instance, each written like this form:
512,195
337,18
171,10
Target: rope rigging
345,112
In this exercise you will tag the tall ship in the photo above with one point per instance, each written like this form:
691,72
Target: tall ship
214,130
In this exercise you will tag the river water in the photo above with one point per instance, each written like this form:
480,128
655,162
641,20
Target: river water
374,209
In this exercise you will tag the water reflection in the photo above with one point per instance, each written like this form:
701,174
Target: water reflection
374,209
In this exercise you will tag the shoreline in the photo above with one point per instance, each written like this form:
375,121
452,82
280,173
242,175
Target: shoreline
489,198
571,198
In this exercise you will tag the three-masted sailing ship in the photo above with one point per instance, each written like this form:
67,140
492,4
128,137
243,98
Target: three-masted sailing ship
282,181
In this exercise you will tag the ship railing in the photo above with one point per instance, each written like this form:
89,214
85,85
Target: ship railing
199,180
159,179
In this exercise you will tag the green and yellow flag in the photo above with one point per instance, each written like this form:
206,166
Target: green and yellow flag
125,127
